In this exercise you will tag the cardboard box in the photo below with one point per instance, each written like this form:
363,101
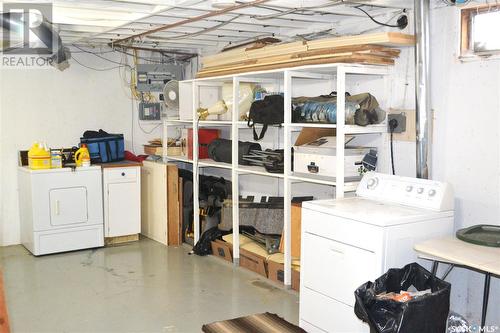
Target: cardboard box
222,250
253,262
277,274
309,134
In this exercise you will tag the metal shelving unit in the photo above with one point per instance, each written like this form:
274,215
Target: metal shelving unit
284,80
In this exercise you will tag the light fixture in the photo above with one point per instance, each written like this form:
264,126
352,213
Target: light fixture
223,3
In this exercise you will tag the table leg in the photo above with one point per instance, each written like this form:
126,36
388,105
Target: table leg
448,271
435,265
486,295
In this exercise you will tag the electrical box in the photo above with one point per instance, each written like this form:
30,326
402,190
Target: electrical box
149,111
152,77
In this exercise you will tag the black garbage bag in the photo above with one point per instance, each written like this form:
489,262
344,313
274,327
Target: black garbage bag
427,313
204,247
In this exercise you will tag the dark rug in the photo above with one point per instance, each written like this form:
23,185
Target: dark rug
259,323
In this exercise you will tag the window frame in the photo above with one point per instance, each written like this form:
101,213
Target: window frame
466,50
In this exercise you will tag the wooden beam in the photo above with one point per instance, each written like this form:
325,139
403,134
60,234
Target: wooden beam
193,19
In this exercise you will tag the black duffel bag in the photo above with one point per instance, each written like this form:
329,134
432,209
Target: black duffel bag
220,150
269,111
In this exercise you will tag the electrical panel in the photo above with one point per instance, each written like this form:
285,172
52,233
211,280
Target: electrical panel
149,111
153,77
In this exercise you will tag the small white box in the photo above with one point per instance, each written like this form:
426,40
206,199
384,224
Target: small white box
319,158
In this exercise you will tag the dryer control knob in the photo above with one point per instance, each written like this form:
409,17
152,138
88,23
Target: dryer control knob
409,188
372,183
432,193
420,190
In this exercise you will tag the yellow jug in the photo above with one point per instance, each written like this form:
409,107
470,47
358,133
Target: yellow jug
82,156
38,157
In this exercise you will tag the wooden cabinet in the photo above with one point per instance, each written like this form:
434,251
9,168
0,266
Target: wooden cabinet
154,201
122,201
161,214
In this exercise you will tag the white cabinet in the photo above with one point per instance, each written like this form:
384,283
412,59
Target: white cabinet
122,200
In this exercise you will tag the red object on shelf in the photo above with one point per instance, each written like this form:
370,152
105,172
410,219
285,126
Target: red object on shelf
205,136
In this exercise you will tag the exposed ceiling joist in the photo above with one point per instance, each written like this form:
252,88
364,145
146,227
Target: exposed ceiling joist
197,18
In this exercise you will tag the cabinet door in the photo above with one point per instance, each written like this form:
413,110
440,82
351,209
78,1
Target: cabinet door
68,206
123,209
154,201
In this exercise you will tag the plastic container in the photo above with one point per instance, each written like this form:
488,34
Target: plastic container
38,157
82,156
56,158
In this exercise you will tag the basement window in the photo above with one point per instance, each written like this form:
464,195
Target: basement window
480,28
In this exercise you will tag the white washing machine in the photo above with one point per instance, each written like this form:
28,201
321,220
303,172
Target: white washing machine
350,241
60,209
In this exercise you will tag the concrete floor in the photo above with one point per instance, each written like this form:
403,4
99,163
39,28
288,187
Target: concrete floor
138,287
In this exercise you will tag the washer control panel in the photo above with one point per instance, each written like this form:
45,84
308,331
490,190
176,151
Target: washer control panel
415,192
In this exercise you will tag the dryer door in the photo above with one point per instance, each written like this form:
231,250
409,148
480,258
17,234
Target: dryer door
68,206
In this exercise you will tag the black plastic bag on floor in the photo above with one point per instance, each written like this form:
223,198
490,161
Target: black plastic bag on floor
204,246
427,313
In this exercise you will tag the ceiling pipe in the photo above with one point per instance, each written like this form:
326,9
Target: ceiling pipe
422,87
190,20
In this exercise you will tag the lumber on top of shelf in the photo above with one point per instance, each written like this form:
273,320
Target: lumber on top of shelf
355,58
382,38
283,61
242,54
393,39
375,50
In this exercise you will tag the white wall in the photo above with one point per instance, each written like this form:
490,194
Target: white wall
466,147
57,107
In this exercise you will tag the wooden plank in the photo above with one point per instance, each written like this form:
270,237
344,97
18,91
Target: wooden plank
181,208
258,43
381,39
268,51
173,204
4,317
296,221
361,59
372,49
108,241
317,54
464,32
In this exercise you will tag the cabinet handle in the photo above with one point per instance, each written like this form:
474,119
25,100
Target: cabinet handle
337,251
57,207
123,174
